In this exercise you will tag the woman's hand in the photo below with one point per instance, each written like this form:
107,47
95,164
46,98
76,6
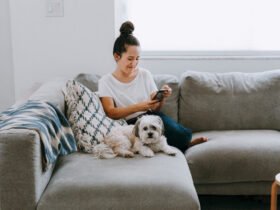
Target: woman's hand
148,105
167,92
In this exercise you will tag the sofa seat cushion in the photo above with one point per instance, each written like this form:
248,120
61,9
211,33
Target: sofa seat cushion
81,181
235,156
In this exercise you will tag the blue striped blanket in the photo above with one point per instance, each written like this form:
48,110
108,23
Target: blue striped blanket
48,121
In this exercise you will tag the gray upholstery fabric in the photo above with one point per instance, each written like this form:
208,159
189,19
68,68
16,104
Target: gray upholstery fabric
51,91
170,107
230,101
88,80
235,156
22,179
240,188
83,182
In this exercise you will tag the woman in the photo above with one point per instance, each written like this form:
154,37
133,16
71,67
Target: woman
129,91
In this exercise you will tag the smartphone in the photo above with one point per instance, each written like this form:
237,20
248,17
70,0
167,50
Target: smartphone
159,95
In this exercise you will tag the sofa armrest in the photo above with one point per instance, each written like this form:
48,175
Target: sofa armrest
22,179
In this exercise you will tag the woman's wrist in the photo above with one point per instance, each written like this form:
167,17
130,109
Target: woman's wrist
138,108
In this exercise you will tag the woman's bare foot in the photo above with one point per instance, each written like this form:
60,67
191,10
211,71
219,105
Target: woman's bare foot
198,140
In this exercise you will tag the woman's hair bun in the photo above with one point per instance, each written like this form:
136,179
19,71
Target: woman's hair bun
127,28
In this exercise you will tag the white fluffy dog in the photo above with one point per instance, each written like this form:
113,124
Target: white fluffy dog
145,137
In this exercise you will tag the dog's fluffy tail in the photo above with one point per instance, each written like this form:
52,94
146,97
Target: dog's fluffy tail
103,151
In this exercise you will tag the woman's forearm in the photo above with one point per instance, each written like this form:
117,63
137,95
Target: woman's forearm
117,113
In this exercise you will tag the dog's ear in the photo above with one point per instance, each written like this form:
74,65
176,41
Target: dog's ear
161,124
135,130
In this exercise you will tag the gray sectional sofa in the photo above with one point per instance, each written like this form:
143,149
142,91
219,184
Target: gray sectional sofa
239,112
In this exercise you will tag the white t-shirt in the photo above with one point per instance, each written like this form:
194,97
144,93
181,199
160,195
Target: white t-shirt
125,94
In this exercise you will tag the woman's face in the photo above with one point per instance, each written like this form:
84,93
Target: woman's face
128,61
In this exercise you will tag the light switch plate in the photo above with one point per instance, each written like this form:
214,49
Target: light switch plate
54,8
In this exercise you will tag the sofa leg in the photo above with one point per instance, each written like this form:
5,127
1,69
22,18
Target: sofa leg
273,201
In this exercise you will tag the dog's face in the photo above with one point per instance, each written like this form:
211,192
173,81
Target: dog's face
149,129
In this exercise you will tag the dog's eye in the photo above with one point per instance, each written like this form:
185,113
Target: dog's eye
145,128
153,127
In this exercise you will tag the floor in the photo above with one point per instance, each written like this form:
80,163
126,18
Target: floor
236,202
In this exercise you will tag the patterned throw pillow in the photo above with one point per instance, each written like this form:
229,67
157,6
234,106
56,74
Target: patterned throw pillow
86,116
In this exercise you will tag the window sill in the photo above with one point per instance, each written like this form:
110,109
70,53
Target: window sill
210,55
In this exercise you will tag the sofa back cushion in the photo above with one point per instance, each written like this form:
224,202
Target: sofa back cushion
51,91
227,101
88,80
170,106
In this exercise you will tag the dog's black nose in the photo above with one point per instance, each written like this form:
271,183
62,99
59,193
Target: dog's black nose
150,135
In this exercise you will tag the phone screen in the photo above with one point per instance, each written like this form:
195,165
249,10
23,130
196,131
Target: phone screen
159,95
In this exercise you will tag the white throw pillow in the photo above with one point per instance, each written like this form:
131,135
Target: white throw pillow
86,116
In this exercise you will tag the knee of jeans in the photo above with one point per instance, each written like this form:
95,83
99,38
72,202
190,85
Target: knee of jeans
189,135
186,132
183,137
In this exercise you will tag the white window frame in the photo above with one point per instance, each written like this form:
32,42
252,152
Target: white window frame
194,55
210,55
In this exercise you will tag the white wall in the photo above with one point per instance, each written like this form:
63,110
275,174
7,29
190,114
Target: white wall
48,47
6,68
81,41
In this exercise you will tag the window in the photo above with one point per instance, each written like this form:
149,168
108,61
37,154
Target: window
204,25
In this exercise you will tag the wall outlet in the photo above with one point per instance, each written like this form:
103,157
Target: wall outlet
54,8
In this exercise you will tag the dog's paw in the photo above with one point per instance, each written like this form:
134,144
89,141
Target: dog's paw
124,153
148,153
135,150
128,154
170,152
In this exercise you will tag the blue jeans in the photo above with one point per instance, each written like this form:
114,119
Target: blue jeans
177,135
